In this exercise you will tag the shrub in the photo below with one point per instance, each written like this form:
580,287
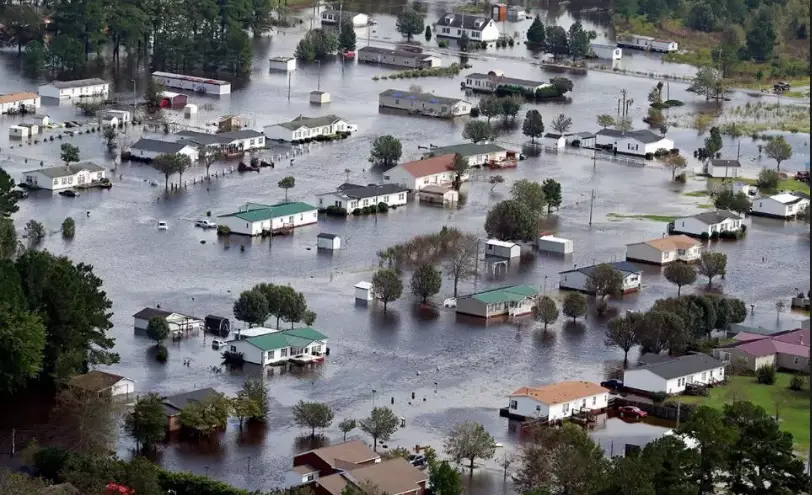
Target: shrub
49,461
335,211
68,228
383,207
475,112
743,229
765,375
233,358
714,235
705,236
208,213
649,156
322,211
356,212
223,230
659,397
681,178
162,354
373,209
366,210
797,382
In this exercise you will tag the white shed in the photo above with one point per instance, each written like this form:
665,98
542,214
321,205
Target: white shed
552,244
189,110
328,241
553,140
285,64
319,97
18,131
363,291
502,249
42,120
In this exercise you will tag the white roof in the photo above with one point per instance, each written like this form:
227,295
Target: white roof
363,285
785,198
494,242
246,333
553,238
689,441
171,94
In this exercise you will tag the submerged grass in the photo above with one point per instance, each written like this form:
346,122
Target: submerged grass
696,194
637,216
783,185
705,206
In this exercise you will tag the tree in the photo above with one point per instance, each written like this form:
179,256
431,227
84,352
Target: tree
347,40
35,56
208,415
580,40
9,244
380,424
655,117
655,96
533,126
730,49
463,42
286,183
8,200
386,286
252,308
702,18
768,179
346,426
255,390
462,261
21,484
158,329
153,95
629,475
708,83
762,37
444,479
409,22
244,407
146,423
779,150
317,44
459,166
605,120
428,34
511,220
34,232
674,162
510,107
490,107
470,440
562,123
169,164
386,150
622,333
680,274
738,202
713,144
495,180
83,423
536,34
22,359
557,42
110,135
574,306
707,426
672,464
426,282
69,154
624,124
547,311
711,264
292,306
552,194
477,131
604,282
530,194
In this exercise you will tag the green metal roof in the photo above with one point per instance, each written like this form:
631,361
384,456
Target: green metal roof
255,212
280,340
465,149
514,293
306,333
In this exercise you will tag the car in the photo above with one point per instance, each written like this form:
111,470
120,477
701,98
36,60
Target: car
217,343
69,193
162,225
417,460
612,384
633,412
451,302
19,193
206,224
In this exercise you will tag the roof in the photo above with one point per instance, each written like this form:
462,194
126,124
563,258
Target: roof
559,393
305,469
642,135
467,149
505,294
207,139
395,476
310,122
62,171
363,285
426,97
240,134
12,97
297,337
150,313
253,212
353,452
621,266
435,190
507,80
496,242
174,403
78,83
325,235
466,21
787,198
651,358
95,381
159,146
281,59
793,343
714,217
726,163
682,366
372,191
333,484
552,135
428,166
203,80
670,243
394,52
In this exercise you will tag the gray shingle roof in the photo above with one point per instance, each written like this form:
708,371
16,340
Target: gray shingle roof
683,365
466,21
208,139
465,149
507,80
150,313
714,217
173,404
426,97
371,191
95,81
394,52
642,135
621,266
310,122
241,134
159,146
61,171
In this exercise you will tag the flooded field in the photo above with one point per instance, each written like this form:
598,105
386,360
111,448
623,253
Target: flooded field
465,368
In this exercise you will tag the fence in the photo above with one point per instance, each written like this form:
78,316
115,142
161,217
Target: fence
659,411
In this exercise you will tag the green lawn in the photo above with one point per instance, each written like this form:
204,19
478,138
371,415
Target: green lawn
793,413
784,185
655,218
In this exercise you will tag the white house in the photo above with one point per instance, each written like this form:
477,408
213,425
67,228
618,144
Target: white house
57,178
502,249
424,103
496,79
637,143
576,279
253,218
275,347
664,250
439,195
352,196
706,224
331,17
479,154
723,168
18,131
477,27
15,102
397,57
283,64
673,375
42,120
102,383
176,321
553,140
330,242
647,43
784,205
607,52
202,85
515,300
558,401
75,89
302,128
230,143
146,149
415,175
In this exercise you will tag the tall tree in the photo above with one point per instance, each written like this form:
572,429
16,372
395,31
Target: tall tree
511,220
622,333
536,34
347,39
146,423
562,123
715,438
533,126
470,440
410,22
712,264
762,37
727,200
252,308
8,200
346,426
477,131
552,194
386,150
708,82
426,282
779,150
387,286
510,107
490,107
530,194
158,329
461,263
680,274
672,463
547,311
83,423
575,305
292,305
312,415
460,166
170,164
557,42
606,120
69,154
380,425
286,183
206,416
579,40
256,391
21,358
444,479
674,162
604,282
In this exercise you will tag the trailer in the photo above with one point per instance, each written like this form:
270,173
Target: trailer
202,85
648,43
607,52
552,244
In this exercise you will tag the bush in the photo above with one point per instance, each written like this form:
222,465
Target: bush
714,235
208,213
475,112
335,211
193,483
68,228
743,229
223,230
673,103
162,354
356,212
49,461
366,210
649,156
797,382
765,375
233,358
659,397
681,178
373,209
383,207
705,236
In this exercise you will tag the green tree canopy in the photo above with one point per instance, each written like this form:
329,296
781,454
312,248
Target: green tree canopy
387,286
251,307
410,22
347,39
779,150
21,358
575,305
536,34
530,194
552,194
386,150
380,425
158,329
477,131
426,282
146,423
511,220
533,126
312,415
470,440
317,44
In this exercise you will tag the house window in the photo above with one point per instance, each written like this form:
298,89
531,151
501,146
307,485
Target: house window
796,360
514,404
402,196
271,354
234,348
565,408
386,199
316,349
704,375
309,478
538,408
459,32
290,219
594,400
474,34
283,352
365,202
354,204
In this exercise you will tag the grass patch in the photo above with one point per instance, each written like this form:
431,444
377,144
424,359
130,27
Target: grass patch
450,71
793,413
653,218
705,206
783,185
696,194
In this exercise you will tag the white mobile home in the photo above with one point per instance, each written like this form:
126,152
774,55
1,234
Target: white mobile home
306,128
148,149
283,64
424,103
229,143
576,279
723,168
664,250
332,17
75,89
495,80
281,346
558,401
353,196
477,28
502,249
552,244
253,218
16,102
784,205
638,143
706,224
123,116
406,59
638,42
439,195
202,85
607,52
514,300
176,321
673,375
57,178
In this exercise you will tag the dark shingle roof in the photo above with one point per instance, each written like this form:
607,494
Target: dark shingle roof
683,365
394,52
371,191
95,381
621,266
714,217
241,134
159,146
150,313
553,135
466,21
56,172
173,404
427,97
208,139
642,135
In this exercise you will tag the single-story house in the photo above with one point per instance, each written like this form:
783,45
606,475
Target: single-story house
580,139
606,52
415,175
75,89
788,350
639,42
673,375
284,64
302,128
281,346
231,142
247,333
332,459
64,177
15,102
558,401
479,154
706,224
332,17
514,300
174,404
396,476
398,57
553,140
122,116
176,321
496,80
424,103
148,149
638,143
477,27
17,131
102,383
722,168
352,196
255,218
439,195
664,250
576,279
784,205
502,249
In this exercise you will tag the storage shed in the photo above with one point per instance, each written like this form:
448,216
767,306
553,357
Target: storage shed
285,64
502,249
33,129
363,291
189,110
171,99
552,244
319,97
328,241
18,131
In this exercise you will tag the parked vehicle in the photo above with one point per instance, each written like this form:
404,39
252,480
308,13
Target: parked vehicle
781,86
217,343
69,193
417,460
612,384
206,224
19,193
632,412
162,225
450,302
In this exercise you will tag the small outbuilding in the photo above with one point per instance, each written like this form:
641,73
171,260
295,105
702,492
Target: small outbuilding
285,64
555,141
18,131
319,97
552,244
363,291
102,384
42,120
33,129
327,241
439,195
189,110
171,99
502,249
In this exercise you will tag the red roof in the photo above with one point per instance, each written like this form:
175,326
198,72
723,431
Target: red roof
429,166
793,343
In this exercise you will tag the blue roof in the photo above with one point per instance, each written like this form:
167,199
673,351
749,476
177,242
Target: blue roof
621,266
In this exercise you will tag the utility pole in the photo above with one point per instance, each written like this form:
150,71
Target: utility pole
591,204
318,87
288,86
679,403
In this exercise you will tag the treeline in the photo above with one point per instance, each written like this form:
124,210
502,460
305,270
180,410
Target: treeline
576,43
207,35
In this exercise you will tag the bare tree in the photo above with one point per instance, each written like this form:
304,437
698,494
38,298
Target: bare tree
462,263
470,440
83,422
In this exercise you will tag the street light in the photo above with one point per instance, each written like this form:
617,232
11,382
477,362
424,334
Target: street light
135,97
373,398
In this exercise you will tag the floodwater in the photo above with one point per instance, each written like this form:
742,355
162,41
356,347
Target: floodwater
458,369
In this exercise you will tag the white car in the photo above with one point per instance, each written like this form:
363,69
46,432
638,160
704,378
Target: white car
451,302
206,224
217,343
162,225
352,128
